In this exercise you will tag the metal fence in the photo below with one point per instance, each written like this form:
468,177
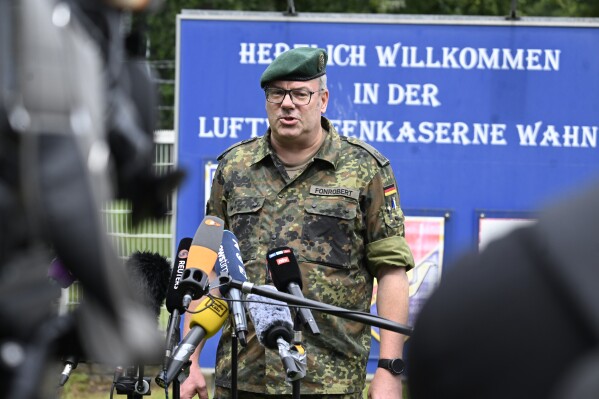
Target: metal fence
149,236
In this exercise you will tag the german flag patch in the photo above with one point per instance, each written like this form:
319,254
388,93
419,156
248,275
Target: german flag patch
390,190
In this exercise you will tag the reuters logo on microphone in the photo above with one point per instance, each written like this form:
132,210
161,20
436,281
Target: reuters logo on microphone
211,222
183,254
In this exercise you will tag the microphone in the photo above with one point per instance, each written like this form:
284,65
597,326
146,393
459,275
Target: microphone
194,284
173,297
149,275
274,330
286,276
212,314
206,243
230,265
70,364
202,254
189,280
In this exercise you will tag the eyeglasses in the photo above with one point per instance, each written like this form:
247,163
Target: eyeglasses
298,96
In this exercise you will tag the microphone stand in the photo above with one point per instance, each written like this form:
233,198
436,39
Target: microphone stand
234,362
362,317
234,344
176,389
297,340
132,382
142,387
172,331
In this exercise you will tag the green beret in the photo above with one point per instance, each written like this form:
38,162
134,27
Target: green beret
299,64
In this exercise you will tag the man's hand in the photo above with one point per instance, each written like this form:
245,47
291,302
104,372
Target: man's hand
194,384
385,385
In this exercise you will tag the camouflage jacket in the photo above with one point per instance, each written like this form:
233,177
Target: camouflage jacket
342,218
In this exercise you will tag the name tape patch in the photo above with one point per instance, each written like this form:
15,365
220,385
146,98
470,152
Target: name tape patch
342,191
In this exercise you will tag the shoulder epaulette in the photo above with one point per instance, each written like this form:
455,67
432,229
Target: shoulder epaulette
236,145
380,158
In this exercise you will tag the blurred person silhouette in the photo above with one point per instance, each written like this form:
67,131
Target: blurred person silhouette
520,319
75,132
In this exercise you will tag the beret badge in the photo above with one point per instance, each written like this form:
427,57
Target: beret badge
321,62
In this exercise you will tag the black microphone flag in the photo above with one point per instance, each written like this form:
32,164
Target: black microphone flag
173,297
286,276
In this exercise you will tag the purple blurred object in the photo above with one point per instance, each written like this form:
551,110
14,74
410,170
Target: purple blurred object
60,274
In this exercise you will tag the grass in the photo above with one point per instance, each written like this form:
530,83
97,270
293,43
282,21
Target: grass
86,383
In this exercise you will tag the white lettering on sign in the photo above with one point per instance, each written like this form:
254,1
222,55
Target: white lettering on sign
550,136
468,58
339,55
229,127
424,132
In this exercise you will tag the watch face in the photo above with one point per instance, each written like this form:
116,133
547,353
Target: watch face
396,366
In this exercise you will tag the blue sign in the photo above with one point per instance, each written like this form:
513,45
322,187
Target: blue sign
495,116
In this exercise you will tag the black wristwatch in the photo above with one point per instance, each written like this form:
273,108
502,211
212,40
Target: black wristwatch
395,366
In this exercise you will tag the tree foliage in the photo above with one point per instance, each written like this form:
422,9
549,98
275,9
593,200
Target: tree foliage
540,8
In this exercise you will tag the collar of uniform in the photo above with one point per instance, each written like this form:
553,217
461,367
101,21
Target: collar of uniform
329,152
263,149
331,148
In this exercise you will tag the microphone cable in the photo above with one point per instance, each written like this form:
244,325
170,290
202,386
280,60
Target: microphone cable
206,306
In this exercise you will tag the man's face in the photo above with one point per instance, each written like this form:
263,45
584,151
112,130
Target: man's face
291,122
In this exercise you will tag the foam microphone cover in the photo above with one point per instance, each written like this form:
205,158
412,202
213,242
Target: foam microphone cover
173,295
229,262
283,268
149,275
271,318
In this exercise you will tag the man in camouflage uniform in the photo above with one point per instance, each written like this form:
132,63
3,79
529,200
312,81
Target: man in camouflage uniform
334,201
